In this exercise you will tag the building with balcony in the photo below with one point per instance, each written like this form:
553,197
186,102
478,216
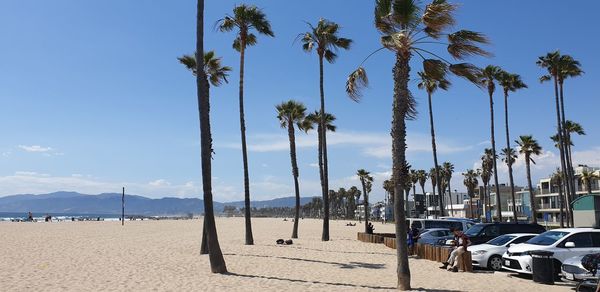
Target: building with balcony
549,202
522,203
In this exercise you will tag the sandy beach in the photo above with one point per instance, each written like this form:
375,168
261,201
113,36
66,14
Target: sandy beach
164,256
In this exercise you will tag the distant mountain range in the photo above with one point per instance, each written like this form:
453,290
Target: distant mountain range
110,203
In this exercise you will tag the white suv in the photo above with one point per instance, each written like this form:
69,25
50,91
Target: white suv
564,243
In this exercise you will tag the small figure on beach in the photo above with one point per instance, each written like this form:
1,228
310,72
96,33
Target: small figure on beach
350,224
48,218
370,228
29,217
461,241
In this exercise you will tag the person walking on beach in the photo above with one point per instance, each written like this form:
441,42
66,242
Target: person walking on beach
461,241
29,217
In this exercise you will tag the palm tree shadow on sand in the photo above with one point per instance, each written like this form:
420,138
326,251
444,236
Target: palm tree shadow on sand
349,265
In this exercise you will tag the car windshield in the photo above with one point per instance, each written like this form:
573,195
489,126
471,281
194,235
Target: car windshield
547,238
473,231
501,240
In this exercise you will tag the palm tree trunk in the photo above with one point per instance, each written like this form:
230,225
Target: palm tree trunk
570,175
561,143
324,178
498,201
217,262
400,175
295,173
562,206
471,205
204,244
531,190
365,204
434,150
425,199
450,198
509,159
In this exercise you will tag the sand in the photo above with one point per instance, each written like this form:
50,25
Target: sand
164,256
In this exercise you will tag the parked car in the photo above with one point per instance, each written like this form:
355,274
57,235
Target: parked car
431,236
438,223
483,232
564,243
489,255
572,270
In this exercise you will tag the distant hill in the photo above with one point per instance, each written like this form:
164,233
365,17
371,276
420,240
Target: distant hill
110,203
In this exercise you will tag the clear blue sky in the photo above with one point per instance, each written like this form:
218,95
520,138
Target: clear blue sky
93,98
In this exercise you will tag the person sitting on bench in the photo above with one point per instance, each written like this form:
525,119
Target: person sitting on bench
461,241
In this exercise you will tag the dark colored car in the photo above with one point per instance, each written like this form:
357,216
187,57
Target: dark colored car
483,232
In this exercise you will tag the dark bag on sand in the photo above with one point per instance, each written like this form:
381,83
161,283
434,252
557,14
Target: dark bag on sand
591,261
280,241
289,241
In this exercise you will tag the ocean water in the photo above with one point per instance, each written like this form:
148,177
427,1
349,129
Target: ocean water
8,216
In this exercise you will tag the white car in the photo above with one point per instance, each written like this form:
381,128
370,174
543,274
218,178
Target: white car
489,255
564,243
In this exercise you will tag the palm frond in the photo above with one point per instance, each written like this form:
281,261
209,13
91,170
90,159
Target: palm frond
438,16
435,69
356,81
467,71
463,43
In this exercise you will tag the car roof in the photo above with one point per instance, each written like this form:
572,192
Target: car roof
520,234
578,229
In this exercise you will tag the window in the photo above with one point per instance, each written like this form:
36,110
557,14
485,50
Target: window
596,239
522,239
491,230
547,238
583,239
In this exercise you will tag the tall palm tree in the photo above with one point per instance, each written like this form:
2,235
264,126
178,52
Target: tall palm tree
510,83
245,19
430,85
557,180
568,68
407,28
290,113
552,62
528,147
325,40
388,187
488,75
414,179
509,156
407,186
586,178
216,74
487,169
471,183
448,169
217,262
365,180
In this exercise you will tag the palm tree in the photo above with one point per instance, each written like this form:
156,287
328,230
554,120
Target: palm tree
568,68
488,75
552,62
509,157
448,169
422,178
353,195
471,183
509,82
407,186
586,178
366,180
528,147
487,169
414,179
430,85
325,40
245,19
216,75
217,262
290,113
388,187
406,28
557,179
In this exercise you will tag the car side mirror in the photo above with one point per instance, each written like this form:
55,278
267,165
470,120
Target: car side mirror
511,244
570,244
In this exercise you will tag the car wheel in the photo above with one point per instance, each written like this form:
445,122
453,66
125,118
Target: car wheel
495,263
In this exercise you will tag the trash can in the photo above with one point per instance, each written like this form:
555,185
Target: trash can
543,267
